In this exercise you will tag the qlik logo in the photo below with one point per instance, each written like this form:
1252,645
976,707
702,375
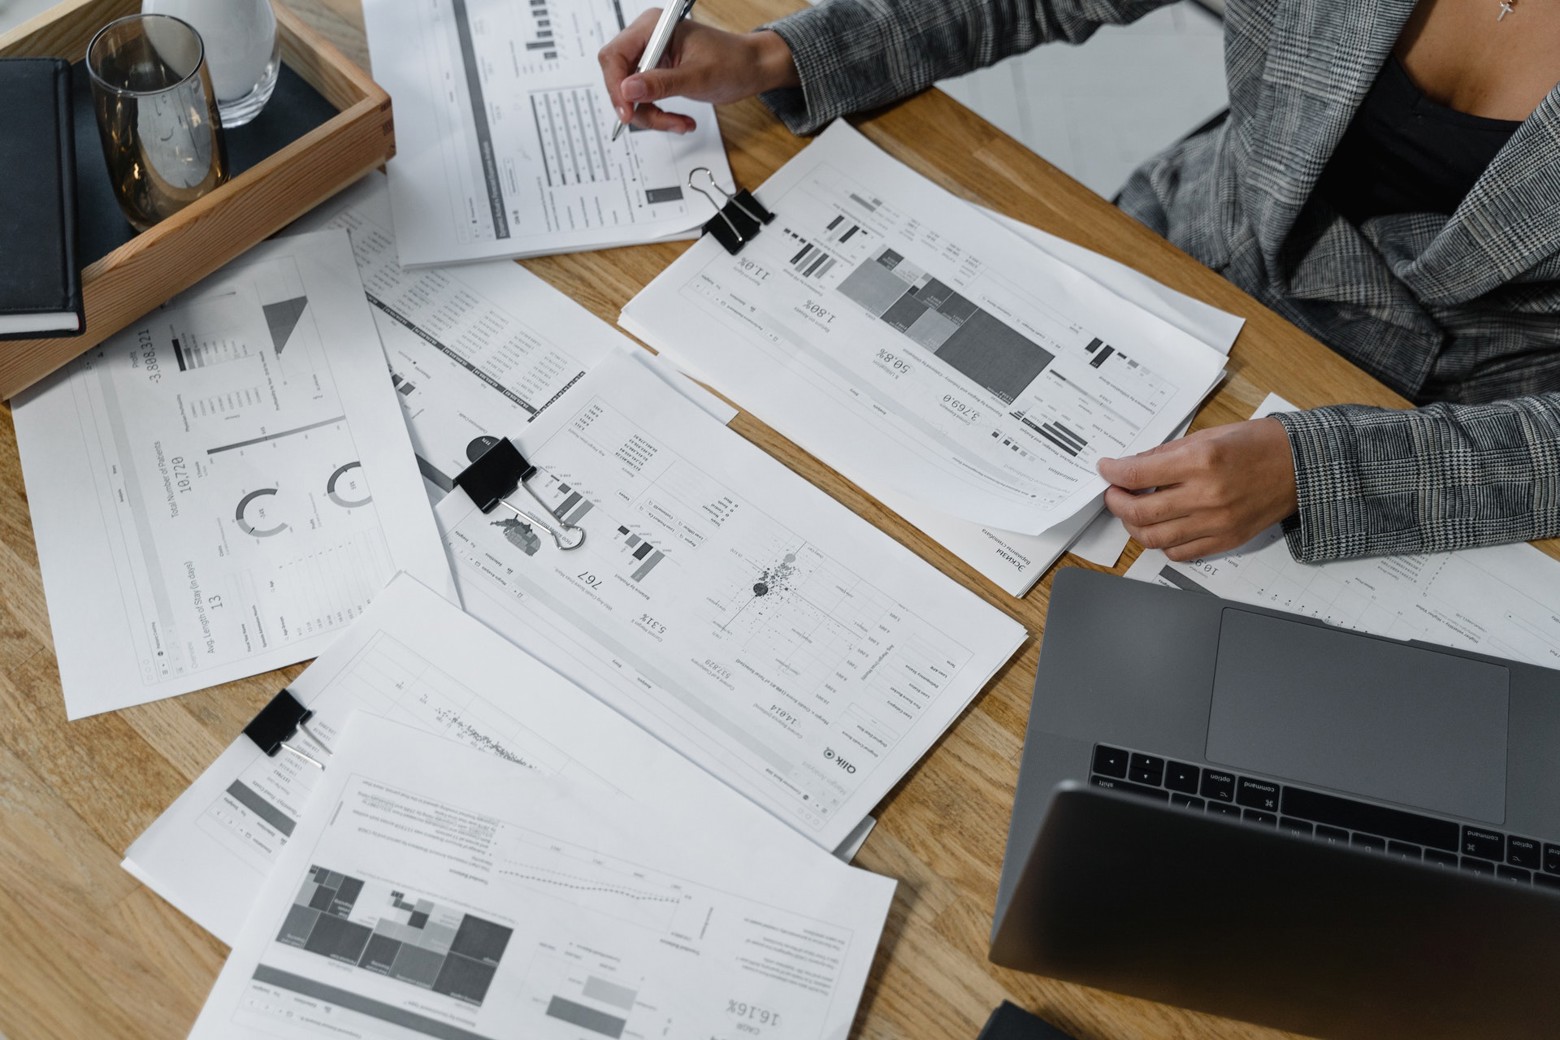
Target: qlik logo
829,754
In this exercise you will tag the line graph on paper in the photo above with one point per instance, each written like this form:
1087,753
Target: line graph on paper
584,878
389,679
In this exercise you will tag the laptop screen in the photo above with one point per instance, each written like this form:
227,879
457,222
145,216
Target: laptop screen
1397,723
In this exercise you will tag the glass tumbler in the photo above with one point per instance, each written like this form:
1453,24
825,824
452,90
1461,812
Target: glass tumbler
243,50
156,115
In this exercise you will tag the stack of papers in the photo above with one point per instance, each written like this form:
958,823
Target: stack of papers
504,131
415,659
953,368
436,891
492,853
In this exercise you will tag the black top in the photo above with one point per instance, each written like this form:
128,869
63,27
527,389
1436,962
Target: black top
1404,153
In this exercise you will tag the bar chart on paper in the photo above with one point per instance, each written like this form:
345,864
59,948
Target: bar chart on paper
644,553
506,133
571,1002
540,41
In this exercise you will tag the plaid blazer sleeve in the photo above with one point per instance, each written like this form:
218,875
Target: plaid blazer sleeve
858,54
1377,481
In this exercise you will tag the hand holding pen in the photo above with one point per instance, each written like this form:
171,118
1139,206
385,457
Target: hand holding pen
699,62
660,39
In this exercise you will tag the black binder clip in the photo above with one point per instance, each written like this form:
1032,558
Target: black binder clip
280,721
496,474
738,220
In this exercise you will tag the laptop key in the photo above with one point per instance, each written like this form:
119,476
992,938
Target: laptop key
1478,866
1127,787
1443,859
1109,761
1552,858
1514,874
1257,794
1257,816
1181,777
1547,881
1404,849
1289,823
1186,801
1331,835
1146,769
1522,852
1224,809
1369,841
1218,786
1483,844
1372,819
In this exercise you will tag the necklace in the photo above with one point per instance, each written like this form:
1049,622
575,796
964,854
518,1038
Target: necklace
1506,7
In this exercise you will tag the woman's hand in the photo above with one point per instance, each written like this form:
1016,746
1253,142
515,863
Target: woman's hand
1208,492
702,63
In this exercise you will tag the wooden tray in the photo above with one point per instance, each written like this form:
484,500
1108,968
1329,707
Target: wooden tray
278,186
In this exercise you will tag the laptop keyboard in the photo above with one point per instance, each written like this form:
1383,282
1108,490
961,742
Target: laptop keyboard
1328,817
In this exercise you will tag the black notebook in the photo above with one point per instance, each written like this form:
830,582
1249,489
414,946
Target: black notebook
40,279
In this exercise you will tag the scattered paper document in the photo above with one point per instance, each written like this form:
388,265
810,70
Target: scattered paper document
912,343
505,127
1503,600
474,349
417,659
726,605
434,891
221,487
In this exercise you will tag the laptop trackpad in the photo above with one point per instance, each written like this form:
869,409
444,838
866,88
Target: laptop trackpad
1360,715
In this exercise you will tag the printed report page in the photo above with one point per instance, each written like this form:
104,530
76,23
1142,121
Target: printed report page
905,338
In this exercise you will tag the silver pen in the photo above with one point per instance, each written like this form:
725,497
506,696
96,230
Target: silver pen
660,38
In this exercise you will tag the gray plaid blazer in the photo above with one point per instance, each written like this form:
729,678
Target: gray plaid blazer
1462,311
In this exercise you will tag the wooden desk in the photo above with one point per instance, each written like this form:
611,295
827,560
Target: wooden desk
86,952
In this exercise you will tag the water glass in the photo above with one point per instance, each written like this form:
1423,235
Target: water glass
156,115
242,50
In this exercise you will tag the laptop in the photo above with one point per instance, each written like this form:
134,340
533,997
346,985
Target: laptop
1256,814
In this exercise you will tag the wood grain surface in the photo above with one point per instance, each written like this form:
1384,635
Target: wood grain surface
87,952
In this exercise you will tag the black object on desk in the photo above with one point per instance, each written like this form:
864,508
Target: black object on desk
1011,1022
40,278
499,472
739,220
278,722
1202,817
